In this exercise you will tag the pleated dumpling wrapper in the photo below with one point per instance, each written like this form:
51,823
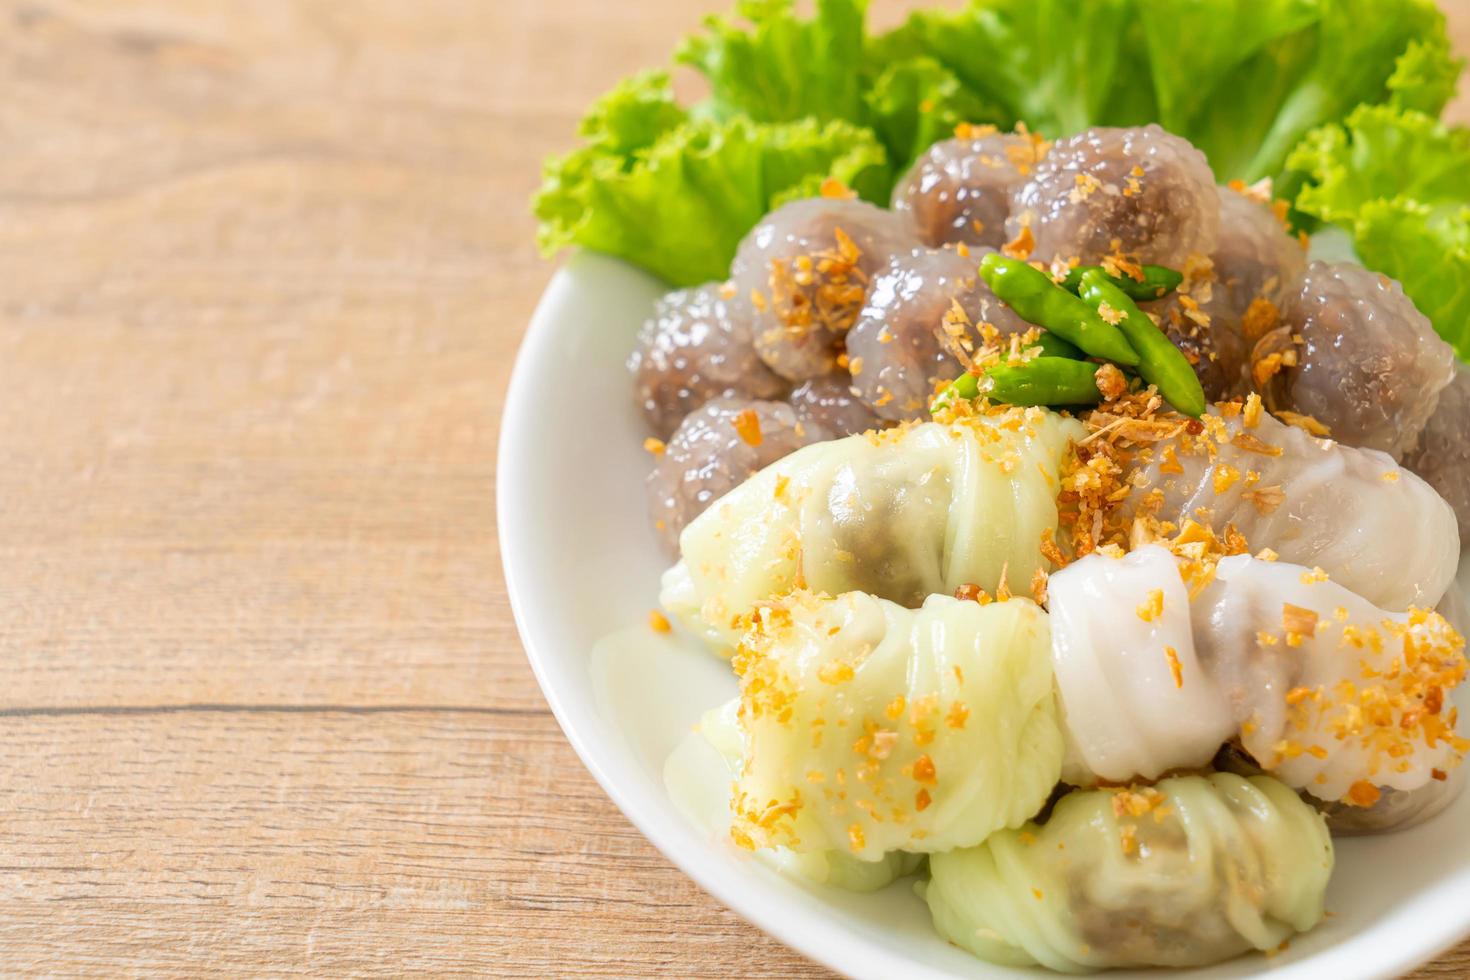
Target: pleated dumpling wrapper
901,515
1194,871
1377,529
699,774
873,728
1323,689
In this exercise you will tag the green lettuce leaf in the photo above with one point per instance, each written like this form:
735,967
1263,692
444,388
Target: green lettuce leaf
1426,76
1187,76
1428,251
1399,182
1053,64
1225,94
793,99
769,64
634,114
1244,80
1359,44
675,194
1379,153
916,102
781,67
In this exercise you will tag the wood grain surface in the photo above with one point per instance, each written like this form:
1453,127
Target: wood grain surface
262,706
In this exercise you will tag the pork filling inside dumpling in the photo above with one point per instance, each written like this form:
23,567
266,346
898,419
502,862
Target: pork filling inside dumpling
901,515
1192,871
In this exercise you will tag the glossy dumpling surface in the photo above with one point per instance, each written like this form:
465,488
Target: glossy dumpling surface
872,728
960,189
718,446
1194,871
1140,191
894,349
805,270
1324,690
696,347
1369,365
901,515
1135,699
699,774
1442,456
1376,528
1332,694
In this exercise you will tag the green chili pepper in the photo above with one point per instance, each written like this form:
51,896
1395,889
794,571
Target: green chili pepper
1032,294
1054,346
1042,381
1039,381
1161,363
1157,281
964,388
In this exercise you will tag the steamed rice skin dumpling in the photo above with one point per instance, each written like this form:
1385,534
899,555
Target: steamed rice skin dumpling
1313,501
1324,690
699,774
902,515
1192,871
871,728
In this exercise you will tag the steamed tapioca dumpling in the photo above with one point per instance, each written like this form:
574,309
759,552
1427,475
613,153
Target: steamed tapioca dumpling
1368,364
704,768
805,269
1331,693
894,351
960,190
1142,192
697,346
1211,318
715,449
1442,456
828,404
1130,710
1255,256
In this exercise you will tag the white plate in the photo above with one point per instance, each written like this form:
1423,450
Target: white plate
581,564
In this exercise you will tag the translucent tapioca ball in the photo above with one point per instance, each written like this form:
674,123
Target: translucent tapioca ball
894,350
829,409
1211,318
697,346
1368,365
1255,256
1142,191
717,448
960,190
806,269
1442,456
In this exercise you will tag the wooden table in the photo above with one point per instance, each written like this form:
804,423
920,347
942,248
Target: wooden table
262,706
